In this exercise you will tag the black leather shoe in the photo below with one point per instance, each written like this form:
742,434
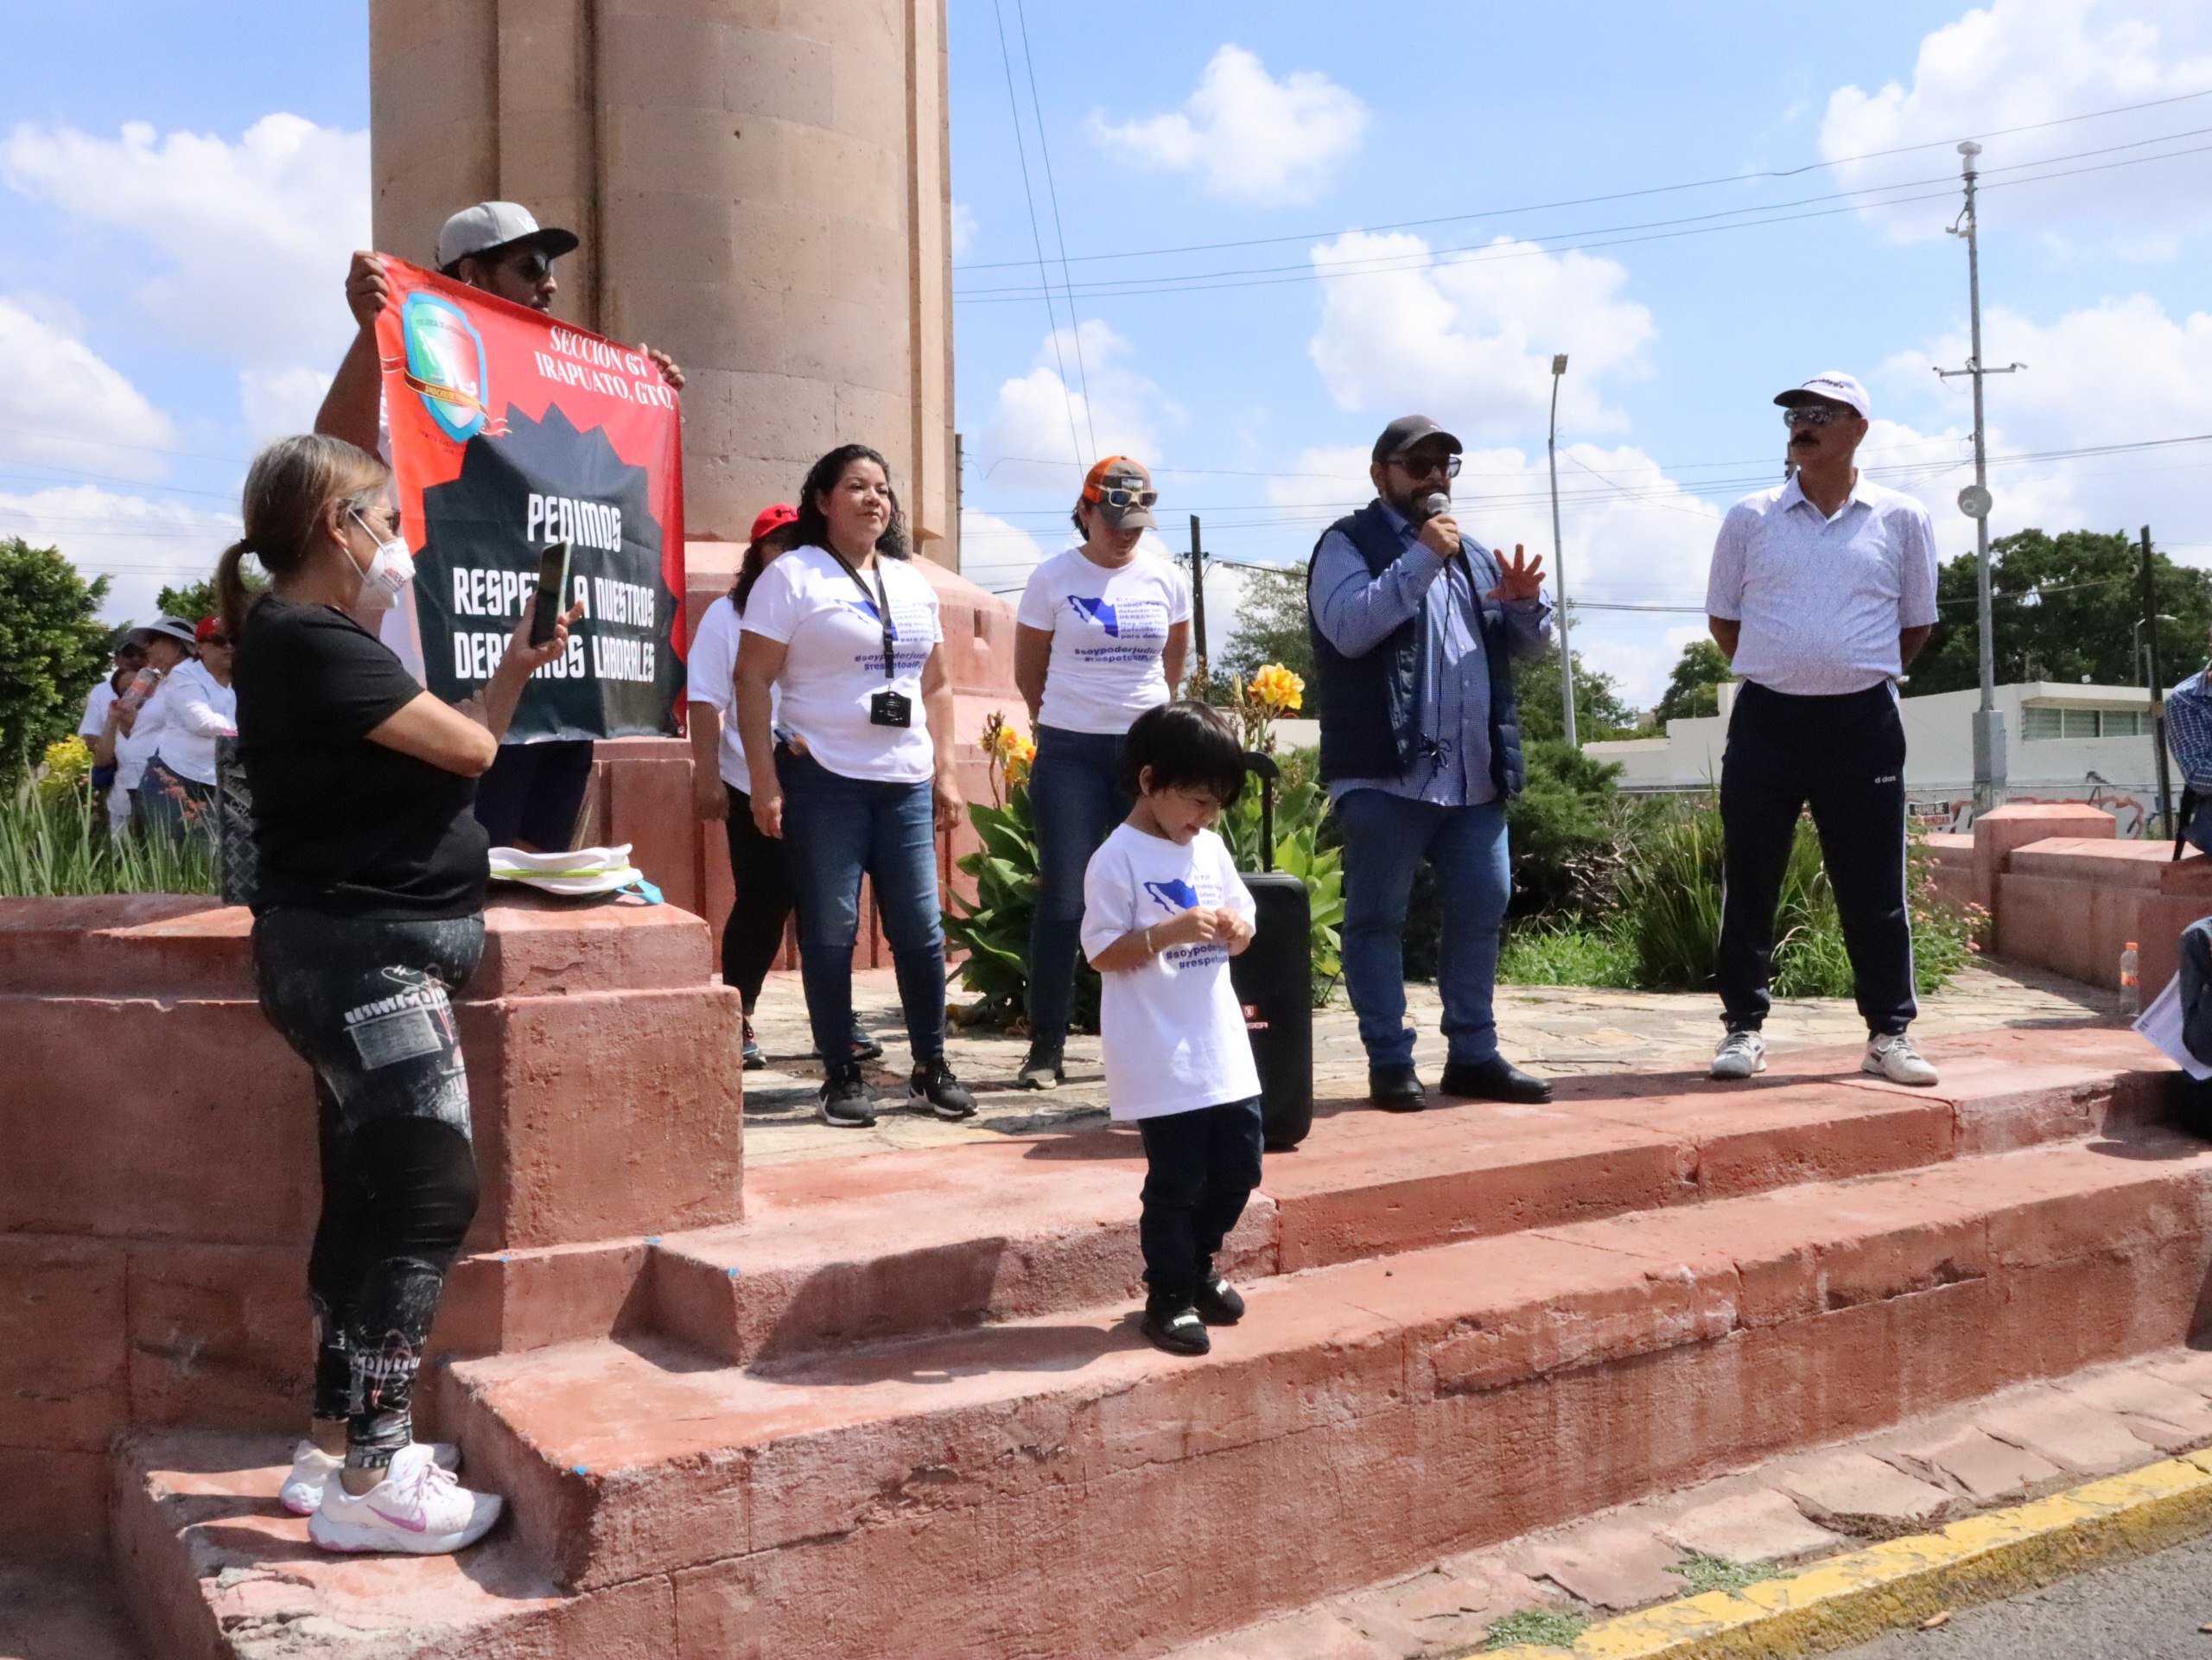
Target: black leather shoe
1396,1088
1495,1079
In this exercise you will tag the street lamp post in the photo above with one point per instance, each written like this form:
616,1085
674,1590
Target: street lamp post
1559,562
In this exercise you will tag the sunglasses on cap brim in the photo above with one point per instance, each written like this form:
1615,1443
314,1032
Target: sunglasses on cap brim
1122,496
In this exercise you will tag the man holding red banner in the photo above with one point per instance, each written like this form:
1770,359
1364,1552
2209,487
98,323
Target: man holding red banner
531,798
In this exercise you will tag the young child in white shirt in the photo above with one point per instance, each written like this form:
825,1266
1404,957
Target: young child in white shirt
1163,911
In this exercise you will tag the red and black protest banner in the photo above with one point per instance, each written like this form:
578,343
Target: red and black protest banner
511,430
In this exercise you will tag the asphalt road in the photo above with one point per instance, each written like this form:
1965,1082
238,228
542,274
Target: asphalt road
2143,1610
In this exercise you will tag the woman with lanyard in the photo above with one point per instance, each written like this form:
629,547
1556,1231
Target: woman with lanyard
723,788
368,915
1100,637
846,631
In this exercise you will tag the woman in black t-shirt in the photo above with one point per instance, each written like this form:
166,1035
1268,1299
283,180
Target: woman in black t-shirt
368,916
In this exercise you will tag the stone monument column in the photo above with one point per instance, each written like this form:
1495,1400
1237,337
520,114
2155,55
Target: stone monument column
764,190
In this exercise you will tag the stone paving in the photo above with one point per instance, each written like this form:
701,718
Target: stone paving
1555,1030
1784,1516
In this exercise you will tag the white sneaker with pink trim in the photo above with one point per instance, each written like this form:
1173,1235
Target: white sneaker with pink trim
302,1493
418,1508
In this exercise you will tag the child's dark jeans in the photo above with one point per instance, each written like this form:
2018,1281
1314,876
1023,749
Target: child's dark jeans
1200,1166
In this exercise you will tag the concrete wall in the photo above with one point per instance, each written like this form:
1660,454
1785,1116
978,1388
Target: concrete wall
1939,755
763,190
153,1237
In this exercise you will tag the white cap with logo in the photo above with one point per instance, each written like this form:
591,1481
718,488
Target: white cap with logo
1835,386
494,225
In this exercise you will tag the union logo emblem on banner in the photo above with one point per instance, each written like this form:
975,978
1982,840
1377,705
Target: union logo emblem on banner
446,366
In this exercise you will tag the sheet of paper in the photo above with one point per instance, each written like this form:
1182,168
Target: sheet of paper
2161,1024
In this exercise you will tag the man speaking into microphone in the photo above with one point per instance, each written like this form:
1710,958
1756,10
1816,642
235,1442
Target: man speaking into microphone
1414,626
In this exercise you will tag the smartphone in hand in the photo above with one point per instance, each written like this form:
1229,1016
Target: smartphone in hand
552,598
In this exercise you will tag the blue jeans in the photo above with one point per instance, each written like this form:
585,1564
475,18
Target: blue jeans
1076,805
834,829
1385,837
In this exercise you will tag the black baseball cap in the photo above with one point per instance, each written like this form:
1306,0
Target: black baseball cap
1402,433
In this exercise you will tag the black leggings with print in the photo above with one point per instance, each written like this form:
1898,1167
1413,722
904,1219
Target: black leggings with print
368,1004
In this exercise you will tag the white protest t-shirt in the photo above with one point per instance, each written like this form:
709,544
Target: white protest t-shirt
1172,1031
834,664
101,700
711,678
1108,629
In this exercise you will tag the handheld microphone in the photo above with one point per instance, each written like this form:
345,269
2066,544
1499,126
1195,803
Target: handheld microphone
1433,506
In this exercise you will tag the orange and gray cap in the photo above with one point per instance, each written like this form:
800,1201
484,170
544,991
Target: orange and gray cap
1402,433
1122,490
493,227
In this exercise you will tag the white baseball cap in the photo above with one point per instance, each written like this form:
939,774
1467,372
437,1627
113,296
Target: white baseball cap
495,225
175,628
1832,385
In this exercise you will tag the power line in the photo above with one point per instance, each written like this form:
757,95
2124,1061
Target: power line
1563,242
1029,195
1052,194
1619,196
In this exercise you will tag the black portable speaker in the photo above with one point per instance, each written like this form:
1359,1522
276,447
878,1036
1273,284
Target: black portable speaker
1274,981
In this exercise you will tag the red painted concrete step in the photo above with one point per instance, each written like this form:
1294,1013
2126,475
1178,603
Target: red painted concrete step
1054,1486
837,1252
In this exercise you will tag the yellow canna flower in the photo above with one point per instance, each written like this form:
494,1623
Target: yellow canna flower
1278,689
70,759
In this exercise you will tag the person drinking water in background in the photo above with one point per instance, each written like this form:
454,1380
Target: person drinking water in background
1101,636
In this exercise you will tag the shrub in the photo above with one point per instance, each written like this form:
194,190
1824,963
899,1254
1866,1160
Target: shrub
1671,900
53,841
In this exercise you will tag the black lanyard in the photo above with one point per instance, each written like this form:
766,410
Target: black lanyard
882,607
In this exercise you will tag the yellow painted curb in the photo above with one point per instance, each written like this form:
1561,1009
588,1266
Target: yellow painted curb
1854,1599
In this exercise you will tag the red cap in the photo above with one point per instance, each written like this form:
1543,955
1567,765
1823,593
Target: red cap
205,628
773,518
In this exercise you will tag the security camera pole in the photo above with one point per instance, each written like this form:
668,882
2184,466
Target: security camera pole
1559,560
1974,501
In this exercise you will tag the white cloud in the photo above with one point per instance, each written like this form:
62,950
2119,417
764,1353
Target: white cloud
62,404
964,228
255,234
1246,135
2120,373
2014,63
1040,432
995,553
280,402
140,543
1471,339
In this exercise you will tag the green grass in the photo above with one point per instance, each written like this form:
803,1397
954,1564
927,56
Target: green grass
1546,1627
1547,954
59,844
1706,1572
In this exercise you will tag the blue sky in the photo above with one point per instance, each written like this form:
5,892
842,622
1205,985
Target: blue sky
174,213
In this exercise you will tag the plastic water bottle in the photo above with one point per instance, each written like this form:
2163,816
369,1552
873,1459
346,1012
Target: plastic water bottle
2130,984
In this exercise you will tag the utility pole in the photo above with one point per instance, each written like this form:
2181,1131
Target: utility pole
2157,691
1974,501
1198,603
1559,564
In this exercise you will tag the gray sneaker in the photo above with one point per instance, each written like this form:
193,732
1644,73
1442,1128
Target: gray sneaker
1895,1059
1044,1069
1741,1054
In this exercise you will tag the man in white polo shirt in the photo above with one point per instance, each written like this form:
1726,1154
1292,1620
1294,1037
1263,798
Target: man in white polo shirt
1821,592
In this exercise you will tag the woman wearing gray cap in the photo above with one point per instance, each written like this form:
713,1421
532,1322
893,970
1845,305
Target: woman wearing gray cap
1100,637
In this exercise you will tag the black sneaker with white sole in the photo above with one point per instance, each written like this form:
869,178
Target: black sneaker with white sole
844,1100
1044,1069
933,1088
1218,1302
1171,1323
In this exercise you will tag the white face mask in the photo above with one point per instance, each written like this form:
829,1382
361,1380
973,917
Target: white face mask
390,575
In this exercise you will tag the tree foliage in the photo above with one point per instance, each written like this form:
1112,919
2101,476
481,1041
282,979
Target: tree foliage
1693,689
1599,709
1269,627
53,646
2063,607
191,602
